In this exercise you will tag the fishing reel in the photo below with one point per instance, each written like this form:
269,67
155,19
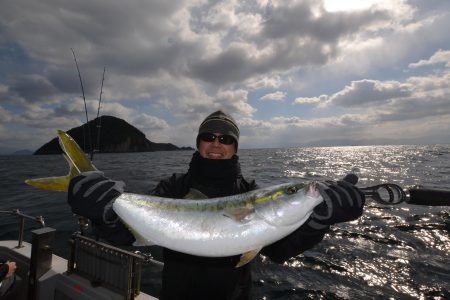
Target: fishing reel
387,193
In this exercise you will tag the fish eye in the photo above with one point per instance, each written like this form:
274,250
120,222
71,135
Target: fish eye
291,190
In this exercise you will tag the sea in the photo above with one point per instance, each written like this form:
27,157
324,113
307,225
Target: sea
391,252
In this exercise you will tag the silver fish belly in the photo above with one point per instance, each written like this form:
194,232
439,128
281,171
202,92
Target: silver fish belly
220,226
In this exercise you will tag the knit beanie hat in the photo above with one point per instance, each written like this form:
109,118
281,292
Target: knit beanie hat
219,122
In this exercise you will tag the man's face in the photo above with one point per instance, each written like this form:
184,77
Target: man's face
215,149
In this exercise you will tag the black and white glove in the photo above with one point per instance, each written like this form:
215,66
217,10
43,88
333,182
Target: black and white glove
92,195
342,202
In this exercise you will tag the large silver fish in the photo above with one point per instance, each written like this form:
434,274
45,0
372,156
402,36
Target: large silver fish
239,224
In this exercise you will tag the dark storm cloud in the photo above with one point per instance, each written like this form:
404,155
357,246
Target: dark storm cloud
131,39
225,67
239,63
144,38
32,88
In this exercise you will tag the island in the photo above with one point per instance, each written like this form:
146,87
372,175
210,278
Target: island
116,136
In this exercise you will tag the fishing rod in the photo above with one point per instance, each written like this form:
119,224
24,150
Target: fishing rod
92,147
84,99
99,120
389,193
82,221
392,194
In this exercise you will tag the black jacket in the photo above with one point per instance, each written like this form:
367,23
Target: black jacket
192,277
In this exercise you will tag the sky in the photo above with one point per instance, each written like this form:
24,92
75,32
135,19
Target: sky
292,73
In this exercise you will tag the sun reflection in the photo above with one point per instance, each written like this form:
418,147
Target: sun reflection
372,164
392,249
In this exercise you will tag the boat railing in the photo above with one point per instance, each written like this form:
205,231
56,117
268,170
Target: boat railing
101,264
22,217
105,265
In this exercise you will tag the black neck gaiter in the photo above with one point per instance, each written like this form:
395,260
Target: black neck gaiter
215,177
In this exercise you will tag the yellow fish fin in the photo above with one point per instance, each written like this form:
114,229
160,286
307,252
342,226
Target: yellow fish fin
75,157
247,257
59,184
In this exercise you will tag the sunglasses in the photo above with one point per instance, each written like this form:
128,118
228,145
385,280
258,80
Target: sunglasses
211,137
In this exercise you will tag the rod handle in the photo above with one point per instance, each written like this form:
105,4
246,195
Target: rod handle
430,197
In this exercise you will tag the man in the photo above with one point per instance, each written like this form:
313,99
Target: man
214,171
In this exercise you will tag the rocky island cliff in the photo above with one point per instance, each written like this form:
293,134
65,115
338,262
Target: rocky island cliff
116,136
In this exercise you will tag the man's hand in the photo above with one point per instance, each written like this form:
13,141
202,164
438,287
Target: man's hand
342,202
92,195
11,268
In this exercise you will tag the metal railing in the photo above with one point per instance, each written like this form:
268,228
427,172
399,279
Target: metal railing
114,268
22,217
104,265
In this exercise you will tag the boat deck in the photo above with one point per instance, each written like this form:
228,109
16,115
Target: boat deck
56,283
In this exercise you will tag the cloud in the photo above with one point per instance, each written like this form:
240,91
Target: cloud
321,100
290,35
218,43
362,93
235,102
309,19
392,108
276,96
296,131
31,88
439,57
73,107
171,63
260,82
233,64
149,123
386,51
342,121
5,115
372,92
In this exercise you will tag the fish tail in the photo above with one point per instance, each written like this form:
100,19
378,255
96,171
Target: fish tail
77,160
